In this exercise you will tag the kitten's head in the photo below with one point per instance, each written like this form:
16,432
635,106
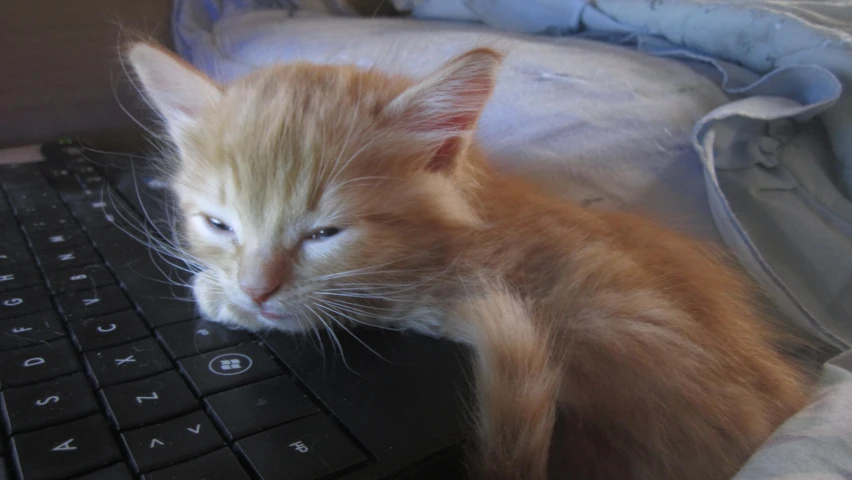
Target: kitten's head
311,194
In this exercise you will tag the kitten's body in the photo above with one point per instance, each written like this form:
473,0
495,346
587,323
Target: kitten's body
660,365
359,197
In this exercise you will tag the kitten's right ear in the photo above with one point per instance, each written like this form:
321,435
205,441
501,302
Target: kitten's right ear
443,108
179,92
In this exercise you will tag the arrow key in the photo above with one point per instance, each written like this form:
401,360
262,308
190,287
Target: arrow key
64,451
171,442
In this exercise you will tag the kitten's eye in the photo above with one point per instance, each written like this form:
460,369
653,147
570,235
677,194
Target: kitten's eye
324,233
218,224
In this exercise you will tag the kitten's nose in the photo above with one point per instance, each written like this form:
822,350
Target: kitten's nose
262,274
260,294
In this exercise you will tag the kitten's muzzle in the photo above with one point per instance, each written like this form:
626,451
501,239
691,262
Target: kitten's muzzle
262,273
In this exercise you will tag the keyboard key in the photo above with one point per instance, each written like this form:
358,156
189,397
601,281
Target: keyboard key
104,213
25,301
92,303
56,172
4,203
29,193
49,403
7,218
199,336
71,192
253,408
113,329
95,182
24,185
84,169
80,278
171,442
13,277
63,451
127,362
177,307
44,209
119,471
219,465
11,236
30,330
74,159
151,285
69,257
21,198
56,239
36,364
14,254
58,220
309,448
119,249
66,184
232,367
10,174
147,401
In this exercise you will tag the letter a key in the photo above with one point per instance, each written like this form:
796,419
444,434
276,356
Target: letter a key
66,450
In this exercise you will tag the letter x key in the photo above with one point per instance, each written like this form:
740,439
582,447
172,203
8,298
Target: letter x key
127,362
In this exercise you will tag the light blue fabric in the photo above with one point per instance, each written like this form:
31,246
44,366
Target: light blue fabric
761,34
752,135
795,240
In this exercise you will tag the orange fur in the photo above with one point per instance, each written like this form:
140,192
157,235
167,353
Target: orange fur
607,347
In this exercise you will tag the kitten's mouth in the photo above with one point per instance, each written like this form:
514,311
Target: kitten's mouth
276,316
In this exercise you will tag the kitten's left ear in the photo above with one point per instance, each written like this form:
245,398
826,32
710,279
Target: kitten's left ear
444,107
179,92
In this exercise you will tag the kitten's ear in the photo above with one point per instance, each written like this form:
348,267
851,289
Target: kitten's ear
443,108
178,91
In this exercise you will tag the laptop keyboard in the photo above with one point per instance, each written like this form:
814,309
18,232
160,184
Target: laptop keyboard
107,373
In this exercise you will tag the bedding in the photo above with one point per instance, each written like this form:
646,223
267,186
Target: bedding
780,192
725,119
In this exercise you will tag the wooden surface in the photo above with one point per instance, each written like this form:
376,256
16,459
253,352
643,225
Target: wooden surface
59,67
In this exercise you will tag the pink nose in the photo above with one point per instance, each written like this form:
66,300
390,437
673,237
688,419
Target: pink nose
262,273
260,293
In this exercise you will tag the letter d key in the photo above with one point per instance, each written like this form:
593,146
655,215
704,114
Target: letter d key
30,365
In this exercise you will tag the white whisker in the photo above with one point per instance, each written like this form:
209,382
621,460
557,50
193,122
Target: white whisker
358,339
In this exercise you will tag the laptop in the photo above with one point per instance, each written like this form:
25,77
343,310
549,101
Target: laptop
107,372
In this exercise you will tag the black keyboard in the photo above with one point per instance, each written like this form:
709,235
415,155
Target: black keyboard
106,371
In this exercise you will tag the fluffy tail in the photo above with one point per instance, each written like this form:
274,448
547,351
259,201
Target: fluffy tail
517,387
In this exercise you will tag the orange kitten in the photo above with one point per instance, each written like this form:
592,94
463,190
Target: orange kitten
607,347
